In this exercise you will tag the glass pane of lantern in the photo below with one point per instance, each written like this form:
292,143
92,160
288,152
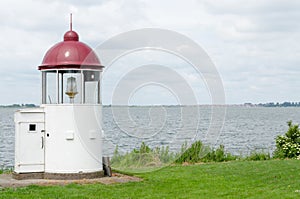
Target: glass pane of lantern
72,88
51,88
91,92
91,84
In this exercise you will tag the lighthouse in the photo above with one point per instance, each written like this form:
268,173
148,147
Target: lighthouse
61,139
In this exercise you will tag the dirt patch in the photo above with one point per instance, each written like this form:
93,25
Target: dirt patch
6,180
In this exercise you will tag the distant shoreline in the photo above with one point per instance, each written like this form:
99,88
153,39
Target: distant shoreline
269,104
18,106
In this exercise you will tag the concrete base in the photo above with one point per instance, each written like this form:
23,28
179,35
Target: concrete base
58,176
6,180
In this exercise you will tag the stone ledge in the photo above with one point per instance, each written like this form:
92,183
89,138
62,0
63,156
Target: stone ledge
73,176
26,176
57,176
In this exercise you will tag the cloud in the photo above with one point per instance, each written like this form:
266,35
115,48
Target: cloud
254,44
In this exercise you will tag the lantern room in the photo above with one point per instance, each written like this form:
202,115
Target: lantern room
71,73
62,139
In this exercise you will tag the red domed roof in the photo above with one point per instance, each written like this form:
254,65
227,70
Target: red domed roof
70,53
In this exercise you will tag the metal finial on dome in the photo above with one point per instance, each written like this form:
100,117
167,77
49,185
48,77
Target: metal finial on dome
71,21
71,35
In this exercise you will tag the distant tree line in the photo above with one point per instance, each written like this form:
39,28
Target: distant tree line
19,105
277,104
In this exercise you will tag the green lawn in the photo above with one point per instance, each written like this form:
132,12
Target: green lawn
237,179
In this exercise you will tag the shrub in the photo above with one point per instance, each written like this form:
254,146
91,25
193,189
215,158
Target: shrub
256,156
142,157
165,155
116,158
192,154
288,145
200,153
219,155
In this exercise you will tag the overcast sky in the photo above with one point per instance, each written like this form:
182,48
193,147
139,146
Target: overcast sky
255,45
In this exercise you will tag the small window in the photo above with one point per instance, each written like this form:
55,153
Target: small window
32,127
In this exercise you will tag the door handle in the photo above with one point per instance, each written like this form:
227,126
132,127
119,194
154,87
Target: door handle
42,142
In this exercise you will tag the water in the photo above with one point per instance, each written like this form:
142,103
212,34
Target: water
7,142
245,128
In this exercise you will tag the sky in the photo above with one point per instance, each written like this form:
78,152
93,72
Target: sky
254,46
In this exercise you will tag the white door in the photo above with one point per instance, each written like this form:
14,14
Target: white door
31,147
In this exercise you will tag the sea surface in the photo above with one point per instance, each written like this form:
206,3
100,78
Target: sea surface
242,130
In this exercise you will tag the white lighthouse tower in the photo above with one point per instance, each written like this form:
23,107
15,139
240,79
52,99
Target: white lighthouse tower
61,139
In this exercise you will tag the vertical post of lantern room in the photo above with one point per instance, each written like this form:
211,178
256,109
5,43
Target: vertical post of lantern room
66,135
44,86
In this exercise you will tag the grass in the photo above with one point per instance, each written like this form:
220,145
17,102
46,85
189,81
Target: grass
236,179
9,170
